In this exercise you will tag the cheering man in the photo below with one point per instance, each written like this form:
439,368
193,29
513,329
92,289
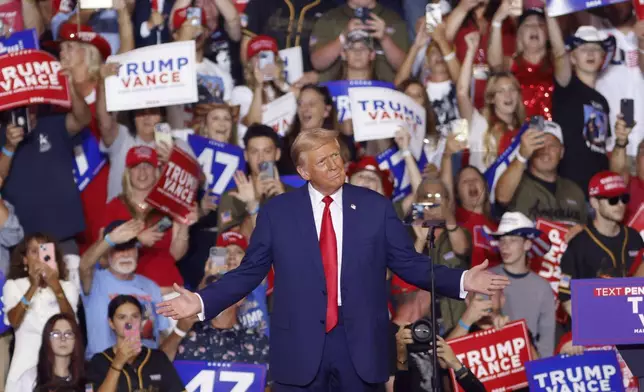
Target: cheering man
330,244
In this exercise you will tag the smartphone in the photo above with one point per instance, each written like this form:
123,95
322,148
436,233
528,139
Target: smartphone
418,209
218,256
537,122
163,133
516,8
20,118
362,13
628,111
47,254
266,170
433,16
132,332
164,224
461,128
194,15
266,58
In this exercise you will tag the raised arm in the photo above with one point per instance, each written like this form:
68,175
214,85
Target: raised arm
80,116
447,50
126,27
561,58
618,156
495,58
456,18
465,106
324,56
232,20
506,186
107,124
394,54
420,42
14,135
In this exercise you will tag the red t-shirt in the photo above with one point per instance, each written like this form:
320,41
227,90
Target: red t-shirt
508,32
474,222
155,262
506,140
94,196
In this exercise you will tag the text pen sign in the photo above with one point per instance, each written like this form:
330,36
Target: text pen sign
592,371
202,376
218,161
496,357
621,319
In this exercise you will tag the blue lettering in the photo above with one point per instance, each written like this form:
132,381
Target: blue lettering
363,104
131,68
408,112
146,69
163,65
181,62
394,107
378,104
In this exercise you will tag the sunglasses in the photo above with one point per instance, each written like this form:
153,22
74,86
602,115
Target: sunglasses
625,198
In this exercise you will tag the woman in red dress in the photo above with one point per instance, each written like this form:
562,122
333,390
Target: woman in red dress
161,246
539,47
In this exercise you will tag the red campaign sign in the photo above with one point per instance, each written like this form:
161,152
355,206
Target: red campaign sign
11,15
496,357
175,192
637,221
32,77
549,266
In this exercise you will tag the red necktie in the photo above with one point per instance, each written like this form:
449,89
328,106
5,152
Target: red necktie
329,251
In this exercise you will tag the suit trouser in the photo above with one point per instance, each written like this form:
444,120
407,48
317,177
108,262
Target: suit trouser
336,372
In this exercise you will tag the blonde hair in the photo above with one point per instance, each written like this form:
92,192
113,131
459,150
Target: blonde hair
496,128
93,61
311,140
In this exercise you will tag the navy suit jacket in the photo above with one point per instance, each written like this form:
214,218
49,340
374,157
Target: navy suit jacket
285,237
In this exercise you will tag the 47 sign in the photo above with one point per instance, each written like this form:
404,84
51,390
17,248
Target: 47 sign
202,376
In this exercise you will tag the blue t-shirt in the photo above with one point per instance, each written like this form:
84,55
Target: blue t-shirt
253,312
104,288
41,183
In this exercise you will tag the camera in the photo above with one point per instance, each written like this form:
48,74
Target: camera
421,333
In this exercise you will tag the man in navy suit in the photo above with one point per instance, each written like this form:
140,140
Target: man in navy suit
330,244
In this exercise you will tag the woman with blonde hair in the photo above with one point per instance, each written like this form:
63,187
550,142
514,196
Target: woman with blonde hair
164,241
265,81
216,120
503,110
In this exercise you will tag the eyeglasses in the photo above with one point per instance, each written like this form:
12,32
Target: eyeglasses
625,198
57,335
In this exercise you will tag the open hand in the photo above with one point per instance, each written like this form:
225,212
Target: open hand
479,280
245,189
127,231
377,26
109,69
187,304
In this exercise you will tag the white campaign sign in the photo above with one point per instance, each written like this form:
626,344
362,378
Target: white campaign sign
293,63
153,76
95,4
379,112
279,114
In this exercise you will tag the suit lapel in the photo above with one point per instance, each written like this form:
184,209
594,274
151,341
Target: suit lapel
349,228
306,223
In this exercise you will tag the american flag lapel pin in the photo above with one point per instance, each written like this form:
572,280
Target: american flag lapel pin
353,206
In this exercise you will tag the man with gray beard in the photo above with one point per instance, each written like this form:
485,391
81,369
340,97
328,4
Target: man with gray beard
101,282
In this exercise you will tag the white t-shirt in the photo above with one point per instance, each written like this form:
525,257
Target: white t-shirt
218,76
623,79
242,96
442,96
29,334
117,152
478,127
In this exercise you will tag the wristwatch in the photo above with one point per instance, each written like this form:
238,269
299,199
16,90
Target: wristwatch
460,372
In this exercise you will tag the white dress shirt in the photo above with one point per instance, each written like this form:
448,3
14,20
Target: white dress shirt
336,217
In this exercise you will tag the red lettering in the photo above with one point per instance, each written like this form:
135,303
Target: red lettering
126,82
150,80
175,77
138,82
373,115
385,116
163,78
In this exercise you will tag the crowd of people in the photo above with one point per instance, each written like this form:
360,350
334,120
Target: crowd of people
85,267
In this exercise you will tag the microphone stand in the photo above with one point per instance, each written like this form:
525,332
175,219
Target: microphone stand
431,238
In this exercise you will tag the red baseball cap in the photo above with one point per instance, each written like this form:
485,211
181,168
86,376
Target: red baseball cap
261,43
85,34
181,15
607,184
141,154
371,164
232,238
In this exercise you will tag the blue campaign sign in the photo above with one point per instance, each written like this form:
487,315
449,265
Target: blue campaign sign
563,7
88,158
219,161
592,371
493,173
339,90
3,327
202,376
293,180
21,40
392,160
